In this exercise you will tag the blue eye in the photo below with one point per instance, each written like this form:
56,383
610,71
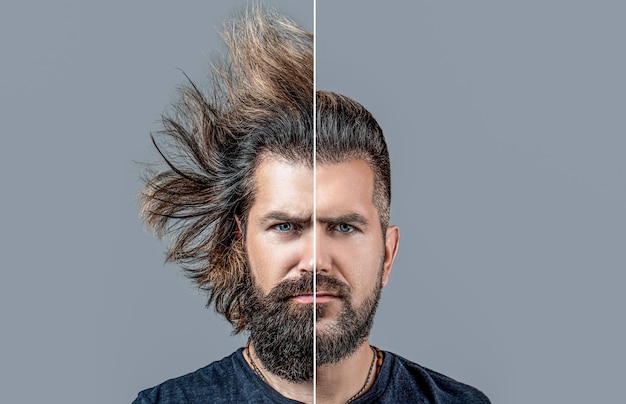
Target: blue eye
284,227
344,228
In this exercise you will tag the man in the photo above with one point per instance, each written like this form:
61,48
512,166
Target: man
289,237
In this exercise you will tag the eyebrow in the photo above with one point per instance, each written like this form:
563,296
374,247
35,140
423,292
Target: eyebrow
349,218
278,216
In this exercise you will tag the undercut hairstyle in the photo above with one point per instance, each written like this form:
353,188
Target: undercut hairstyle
347,131
260,104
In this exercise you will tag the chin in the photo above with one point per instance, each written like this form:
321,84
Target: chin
326,326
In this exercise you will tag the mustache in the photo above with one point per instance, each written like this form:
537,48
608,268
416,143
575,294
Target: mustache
304,285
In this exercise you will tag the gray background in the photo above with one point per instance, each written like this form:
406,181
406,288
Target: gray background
507,133
506,129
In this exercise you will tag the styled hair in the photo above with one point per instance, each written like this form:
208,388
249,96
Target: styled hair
347,131
260,104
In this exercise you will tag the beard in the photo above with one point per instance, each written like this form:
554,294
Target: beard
282,331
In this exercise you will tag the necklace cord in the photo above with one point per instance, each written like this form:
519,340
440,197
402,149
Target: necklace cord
369,375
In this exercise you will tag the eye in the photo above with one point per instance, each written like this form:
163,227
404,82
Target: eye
284,227
344,228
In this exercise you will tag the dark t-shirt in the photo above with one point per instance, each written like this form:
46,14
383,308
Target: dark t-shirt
232,381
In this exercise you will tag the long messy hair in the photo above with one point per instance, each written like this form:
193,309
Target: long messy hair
260,103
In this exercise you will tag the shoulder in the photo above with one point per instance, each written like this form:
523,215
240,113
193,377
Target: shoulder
221,380
406,381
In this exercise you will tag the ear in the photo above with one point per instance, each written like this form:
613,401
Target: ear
392,239
239,231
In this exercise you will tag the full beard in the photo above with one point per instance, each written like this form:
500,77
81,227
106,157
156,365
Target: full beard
282,333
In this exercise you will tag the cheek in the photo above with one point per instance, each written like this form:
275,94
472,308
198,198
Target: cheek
360,264
269,262
259,260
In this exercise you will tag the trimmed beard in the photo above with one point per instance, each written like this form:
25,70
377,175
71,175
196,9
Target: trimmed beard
281,331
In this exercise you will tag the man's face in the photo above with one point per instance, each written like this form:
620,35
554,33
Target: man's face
351,256
349,246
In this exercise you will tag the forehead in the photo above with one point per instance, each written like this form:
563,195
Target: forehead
344,188
289,187
283,186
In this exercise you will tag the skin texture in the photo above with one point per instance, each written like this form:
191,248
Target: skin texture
349,247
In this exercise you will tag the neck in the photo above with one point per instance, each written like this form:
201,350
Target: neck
336,383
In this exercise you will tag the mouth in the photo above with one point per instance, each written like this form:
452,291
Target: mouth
320,297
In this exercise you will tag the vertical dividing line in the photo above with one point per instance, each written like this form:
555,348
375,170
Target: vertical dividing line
314,202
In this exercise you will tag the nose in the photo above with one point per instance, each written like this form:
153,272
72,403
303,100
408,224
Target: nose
317,253
323,259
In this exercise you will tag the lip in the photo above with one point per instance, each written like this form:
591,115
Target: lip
320,297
